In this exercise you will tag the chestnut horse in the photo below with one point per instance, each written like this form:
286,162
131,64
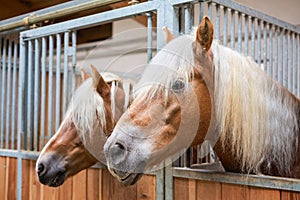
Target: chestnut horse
195,90
78,144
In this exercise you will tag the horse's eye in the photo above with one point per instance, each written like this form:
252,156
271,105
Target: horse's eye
178,85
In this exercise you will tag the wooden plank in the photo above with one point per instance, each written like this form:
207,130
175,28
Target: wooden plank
93,184
25,178
288,195
100,177
34,184
112,189
2,174
208,190
264,193
146,188
65,190
49,193
11,184
79,186
232,191
184,189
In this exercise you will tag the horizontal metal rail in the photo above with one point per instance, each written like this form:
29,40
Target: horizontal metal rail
240,179
53,13
92,20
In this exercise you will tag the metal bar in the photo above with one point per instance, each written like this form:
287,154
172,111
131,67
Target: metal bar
286,58
56,13
209,10
201,11
188,18
149,35
281,73
28,134
232,30
73,63
297,65
50,88
276,70
65,73
3,83
254,13
169,189
57,75
160,184
225,26
271,50
240,32
36,115
14,91
240,179
252,37
246,42
295,46
43,88
258,41
265,47
290,65
217,29
96,19
8,95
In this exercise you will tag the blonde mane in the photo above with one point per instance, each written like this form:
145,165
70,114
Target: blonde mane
86,109
174,61
255,113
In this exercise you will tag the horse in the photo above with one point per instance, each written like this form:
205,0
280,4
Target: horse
197,91
91,115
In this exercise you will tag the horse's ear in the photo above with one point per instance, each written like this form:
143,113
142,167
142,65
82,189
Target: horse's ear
84,74
169,35
99,84
205,33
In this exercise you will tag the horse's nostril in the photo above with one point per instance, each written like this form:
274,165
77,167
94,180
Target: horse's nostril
118,153
41,169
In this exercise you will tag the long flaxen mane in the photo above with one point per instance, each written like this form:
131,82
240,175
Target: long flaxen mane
256,114
86,108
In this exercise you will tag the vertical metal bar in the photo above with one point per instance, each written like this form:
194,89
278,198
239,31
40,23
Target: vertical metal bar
232,30
265,46
240,32
218,22
281,71
57,95
43,88
271,50
298,63
3,83
253,37
14,90
50,89
29,96
286,58
201,11
149,35
66,69
209,10
21,98
290,58
225,26
187,19
73,60
8,89
294,56
246,34
36,115
297,66
259,41
276,70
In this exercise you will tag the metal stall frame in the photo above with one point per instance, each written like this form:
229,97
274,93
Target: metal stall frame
179,16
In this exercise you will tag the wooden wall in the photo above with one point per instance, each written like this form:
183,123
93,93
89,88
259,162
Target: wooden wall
91,184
